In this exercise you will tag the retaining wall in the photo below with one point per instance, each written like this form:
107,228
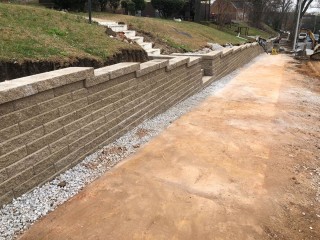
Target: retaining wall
51,121
218,64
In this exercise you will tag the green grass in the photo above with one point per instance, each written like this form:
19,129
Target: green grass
269,30
180,35
34,33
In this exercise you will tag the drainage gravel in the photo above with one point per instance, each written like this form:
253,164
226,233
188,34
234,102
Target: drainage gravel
25,210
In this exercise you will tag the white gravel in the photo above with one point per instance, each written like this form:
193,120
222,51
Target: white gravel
25,210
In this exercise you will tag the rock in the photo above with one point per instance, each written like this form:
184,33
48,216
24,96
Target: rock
215,46
136,145
62,184
228,45
110,32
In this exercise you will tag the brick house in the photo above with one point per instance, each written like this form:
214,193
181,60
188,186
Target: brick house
228,10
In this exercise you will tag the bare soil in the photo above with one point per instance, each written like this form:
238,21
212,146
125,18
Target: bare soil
244,164
13,69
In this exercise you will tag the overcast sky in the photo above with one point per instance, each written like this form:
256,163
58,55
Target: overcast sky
314,6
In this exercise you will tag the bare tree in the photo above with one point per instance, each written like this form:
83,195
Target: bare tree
261,7
278,11
285,8
304,7
221,11
258,9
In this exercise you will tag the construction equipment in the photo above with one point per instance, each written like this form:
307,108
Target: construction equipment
274,51
315,46
313,39
316,53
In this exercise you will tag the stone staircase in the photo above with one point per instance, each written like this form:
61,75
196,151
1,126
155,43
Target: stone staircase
116,27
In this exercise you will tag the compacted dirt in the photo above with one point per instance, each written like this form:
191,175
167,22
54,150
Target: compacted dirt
244,164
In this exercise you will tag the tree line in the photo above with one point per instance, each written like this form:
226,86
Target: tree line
166,8
276,13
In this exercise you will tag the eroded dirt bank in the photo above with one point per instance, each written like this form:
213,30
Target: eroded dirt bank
242,165
13,69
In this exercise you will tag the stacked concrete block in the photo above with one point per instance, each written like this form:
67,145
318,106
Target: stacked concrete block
51,121
218,64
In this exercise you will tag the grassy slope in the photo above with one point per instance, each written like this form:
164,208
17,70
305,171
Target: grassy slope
185,35
268,29
252,31
36,34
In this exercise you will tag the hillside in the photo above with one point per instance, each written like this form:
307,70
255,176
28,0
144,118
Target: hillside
34,39
232,29
184,36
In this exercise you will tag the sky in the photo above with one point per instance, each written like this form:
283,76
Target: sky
314,8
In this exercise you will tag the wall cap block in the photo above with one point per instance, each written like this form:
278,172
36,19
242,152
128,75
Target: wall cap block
198,55
153,57
181,54
177,61
236,49
193,61
226,52
30,85
109,72
120,69
163,62
148,67
243,47
213,54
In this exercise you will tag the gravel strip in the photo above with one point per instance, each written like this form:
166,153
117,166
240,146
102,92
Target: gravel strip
25,210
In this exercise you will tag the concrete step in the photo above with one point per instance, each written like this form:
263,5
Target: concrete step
130,33
115,27
153,51
107,23
118,28
146,45
136,39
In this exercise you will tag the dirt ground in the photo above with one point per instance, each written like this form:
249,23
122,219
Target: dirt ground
244,164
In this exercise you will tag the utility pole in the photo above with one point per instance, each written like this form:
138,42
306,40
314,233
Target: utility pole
89,10
297,26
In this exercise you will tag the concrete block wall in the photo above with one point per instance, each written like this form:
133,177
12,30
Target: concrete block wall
51,121
218,64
